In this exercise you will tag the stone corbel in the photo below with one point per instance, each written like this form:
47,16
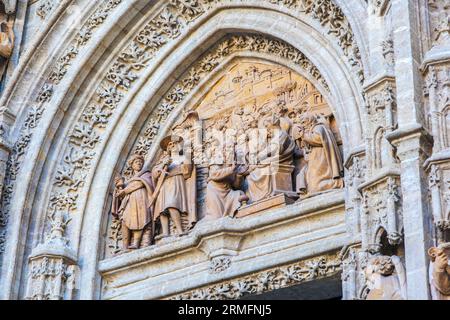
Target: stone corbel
220,248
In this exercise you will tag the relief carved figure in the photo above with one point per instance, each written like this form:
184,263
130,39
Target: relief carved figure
440,272
132,203
222,195
175,185
222,198
324,168
277,156
386,278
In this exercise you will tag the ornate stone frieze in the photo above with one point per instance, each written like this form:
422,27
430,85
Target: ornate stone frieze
267,280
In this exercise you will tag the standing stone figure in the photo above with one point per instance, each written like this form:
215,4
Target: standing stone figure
324,167
278,153
132,204
175,186
440,272
386,278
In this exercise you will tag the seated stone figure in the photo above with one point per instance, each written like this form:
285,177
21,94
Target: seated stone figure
324,168
440,272
272,174
222,197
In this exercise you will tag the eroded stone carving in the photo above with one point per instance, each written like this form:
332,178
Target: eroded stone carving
439,11
440,272
386,278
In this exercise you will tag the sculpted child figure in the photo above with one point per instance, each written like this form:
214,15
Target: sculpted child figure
175,185
132,204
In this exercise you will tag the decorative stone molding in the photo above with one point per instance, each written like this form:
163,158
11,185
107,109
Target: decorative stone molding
268,280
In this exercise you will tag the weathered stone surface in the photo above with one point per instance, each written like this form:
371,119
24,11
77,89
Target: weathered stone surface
307,140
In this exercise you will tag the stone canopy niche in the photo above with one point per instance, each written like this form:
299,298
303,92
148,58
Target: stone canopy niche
261,137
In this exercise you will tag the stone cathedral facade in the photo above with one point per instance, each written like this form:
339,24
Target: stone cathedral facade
225,149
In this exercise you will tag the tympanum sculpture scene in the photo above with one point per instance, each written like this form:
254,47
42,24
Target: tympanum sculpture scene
262,138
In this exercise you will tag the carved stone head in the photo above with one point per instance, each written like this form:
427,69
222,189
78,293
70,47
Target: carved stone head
136,162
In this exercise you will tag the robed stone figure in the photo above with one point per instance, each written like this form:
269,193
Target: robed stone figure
278,152
324,167
132,205
175,188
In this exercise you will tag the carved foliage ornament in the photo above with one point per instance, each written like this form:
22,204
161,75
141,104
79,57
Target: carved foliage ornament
267,280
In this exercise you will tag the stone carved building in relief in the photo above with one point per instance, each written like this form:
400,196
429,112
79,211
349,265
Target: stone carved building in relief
241,146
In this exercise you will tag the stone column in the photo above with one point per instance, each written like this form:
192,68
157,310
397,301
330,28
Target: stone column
413,145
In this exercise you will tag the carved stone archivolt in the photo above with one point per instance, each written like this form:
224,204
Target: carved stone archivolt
268,280
70,176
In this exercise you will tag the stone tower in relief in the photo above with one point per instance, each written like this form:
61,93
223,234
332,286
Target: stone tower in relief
242,146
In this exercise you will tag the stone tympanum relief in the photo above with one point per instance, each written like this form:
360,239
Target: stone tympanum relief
262,137
440,272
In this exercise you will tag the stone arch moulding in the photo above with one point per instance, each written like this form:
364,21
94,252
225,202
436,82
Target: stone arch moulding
344,95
